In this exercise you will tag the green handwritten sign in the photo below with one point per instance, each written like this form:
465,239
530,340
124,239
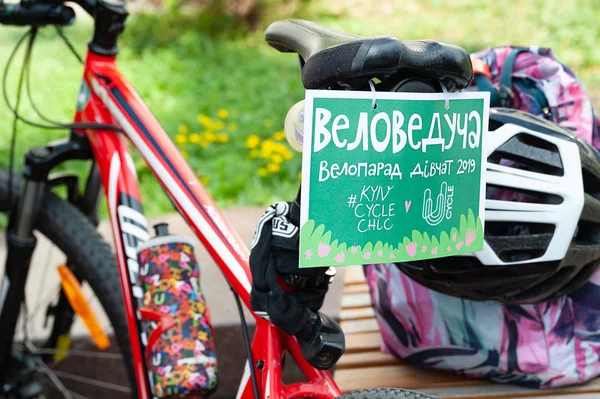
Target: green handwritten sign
400,182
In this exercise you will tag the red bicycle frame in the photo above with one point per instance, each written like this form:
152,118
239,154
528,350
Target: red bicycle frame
106,97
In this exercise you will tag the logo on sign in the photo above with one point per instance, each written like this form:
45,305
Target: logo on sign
443,205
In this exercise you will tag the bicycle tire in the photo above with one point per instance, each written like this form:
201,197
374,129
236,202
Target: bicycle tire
73,233
386,393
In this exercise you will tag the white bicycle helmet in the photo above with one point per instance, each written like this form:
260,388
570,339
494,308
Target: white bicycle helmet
542,217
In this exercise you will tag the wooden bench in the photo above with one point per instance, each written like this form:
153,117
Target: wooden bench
363,365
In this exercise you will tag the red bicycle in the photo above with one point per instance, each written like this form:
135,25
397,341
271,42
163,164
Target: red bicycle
109,114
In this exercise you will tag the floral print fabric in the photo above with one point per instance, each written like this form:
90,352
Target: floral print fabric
567,98
540,346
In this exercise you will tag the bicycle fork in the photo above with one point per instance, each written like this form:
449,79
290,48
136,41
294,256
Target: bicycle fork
20,243
20,239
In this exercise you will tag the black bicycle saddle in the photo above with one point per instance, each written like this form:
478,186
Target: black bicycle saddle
334,58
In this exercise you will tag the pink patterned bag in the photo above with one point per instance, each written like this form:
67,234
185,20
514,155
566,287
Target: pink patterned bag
545,345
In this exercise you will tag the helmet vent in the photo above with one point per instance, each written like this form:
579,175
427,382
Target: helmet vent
518,255
588,233
591,183
530,153
504,229
500,193
513,242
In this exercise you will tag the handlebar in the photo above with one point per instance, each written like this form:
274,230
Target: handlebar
36,14
41,13
109,16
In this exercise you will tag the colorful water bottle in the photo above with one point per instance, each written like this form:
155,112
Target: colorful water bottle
180,350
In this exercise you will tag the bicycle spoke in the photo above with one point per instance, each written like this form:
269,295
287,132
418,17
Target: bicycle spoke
48,296
55,375
75,352
75,395
44,274
44,369
90,381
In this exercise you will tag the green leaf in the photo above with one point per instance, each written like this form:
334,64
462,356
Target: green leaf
454,231
426,239
378,246
318,233
326,238
334,245
463,225
444,239
472,224
416,236
307,229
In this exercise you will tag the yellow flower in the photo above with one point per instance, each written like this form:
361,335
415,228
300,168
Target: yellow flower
180,139
183,129
210,136
185,154
195,138
223,113
267,148
280,135
222,137
286,153
252,141
218,125
282,149
202,335
205,120
268,123
273,167
262,172
232,127
277,159
204,179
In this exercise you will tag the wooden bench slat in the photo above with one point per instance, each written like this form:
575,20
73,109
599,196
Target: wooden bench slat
356,301
398,376
356,289
364,366
354,275
359,326
362,342
357,313
366,359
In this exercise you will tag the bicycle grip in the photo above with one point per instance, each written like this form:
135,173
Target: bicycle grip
36,14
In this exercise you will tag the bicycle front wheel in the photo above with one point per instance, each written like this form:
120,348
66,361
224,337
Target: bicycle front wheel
91,260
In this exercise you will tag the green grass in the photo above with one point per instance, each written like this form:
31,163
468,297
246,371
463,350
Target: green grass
189,66
321,248
190,76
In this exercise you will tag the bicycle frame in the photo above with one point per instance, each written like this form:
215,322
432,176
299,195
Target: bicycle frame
106,97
